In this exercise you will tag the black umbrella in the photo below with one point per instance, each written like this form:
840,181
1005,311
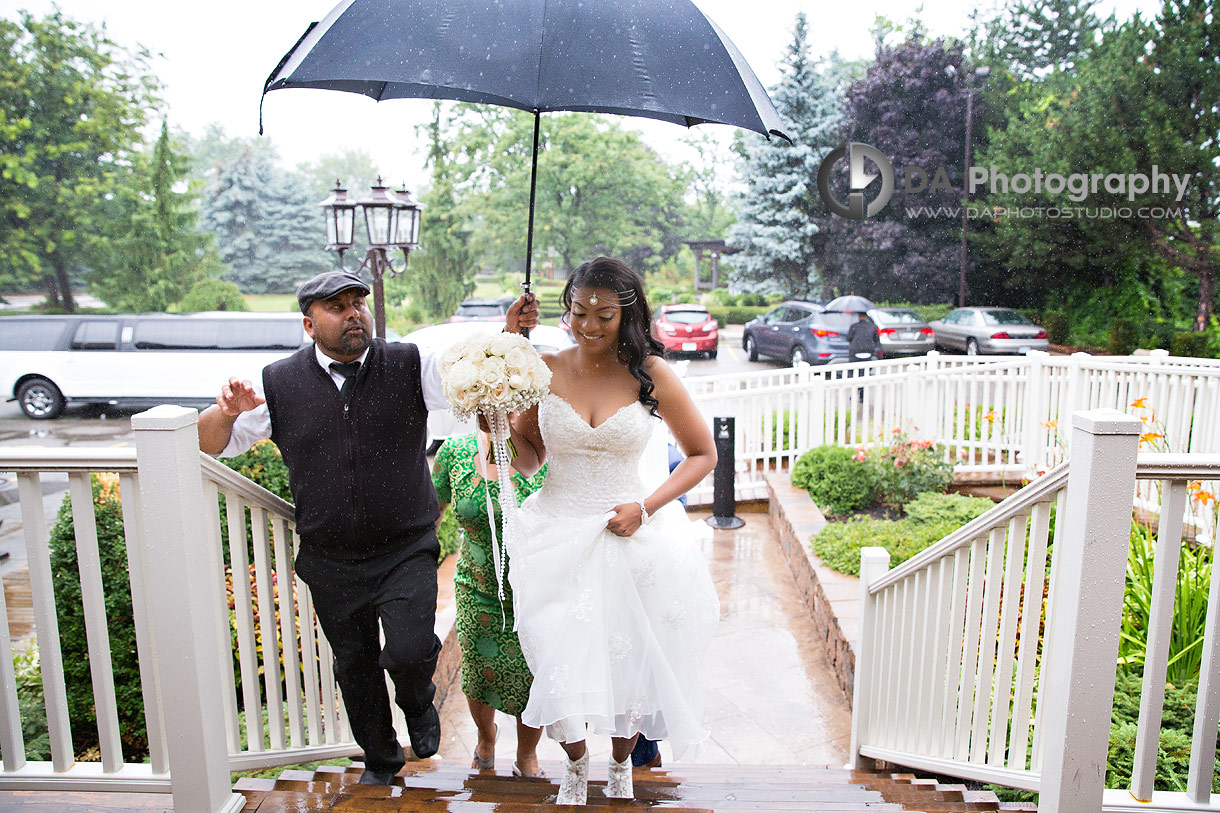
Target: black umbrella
660,59
849,304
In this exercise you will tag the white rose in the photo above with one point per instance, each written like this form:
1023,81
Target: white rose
517,357
490,377
462,375
501,343
517,381
495,364
501,392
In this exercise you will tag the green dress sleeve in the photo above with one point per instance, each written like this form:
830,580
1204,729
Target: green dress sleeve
440,473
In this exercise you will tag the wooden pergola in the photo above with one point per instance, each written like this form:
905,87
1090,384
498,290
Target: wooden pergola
713,248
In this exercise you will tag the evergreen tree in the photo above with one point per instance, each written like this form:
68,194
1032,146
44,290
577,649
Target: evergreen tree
154,254
1033,37
781,219
268,227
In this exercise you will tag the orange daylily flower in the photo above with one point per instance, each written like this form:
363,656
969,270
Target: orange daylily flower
1204,497
1049,424
1149,436
1139,403
990,416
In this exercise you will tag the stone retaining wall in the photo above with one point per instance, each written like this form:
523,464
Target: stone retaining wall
831,597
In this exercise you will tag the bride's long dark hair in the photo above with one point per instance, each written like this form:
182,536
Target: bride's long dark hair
635,340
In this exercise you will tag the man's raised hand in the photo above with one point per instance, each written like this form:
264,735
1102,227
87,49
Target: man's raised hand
237,397
522,314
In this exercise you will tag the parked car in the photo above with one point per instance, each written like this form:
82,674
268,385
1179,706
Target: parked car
686,329
49,362
798,331
544,338
482,310
999,331
902,332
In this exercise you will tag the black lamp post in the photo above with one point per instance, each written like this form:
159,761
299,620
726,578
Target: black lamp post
392,222
982,74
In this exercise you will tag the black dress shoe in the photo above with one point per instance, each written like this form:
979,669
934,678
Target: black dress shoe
372,777
425,733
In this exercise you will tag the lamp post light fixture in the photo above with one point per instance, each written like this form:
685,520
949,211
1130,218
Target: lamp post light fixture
981,73
392,222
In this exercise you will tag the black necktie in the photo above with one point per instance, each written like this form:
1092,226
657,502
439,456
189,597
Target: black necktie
348,371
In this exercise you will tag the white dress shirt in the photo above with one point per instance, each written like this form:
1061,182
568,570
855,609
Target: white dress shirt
255,425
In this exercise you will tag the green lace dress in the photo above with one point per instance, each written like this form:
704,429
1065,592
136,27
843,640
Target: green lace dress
493,669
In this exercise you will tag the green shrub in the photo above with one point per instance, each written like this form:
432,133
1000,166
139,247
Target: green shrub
1177,727
1057,327
1124,337
836,478
1192,344
930,508
34,730
734,315
211,294
926,312
752,300
908,467
120,621
1157,334
686,298
449,534
838,544
721,296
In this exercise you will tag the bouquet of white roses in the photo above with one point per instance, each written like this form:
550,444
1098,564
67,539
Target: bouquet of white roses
493,373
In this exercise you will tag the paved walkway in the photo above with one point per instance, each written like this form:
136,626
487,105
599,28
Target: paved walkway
770,697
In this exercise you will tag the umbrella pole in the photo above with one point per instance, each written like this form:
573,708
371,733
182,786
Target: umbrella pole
529,234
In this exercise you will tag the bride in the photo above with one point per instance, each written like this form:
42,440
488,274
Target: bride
615,605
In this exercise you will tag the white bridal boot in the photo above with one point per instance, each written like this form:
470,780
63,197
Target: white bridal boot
574,787
619,786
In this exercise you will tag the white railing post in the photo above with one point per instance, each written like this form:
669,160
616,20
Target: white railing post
874,563
171,495
1033,452
1077,686
1077,390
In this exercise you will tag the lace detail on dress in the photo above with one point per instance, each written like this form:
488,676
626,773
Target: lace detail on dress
591,469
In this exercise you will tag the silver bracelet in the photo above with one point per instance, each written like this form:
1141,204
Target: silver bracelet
643,512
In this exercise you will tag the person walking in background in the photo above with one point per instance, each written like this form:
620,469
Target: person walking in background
349,415
494,672
863,341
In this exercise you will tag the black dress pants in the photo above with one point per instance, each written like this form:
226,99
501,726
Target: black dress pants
397,588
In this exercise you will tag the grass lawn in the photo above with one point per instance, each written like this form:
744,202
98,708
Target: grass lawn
271,303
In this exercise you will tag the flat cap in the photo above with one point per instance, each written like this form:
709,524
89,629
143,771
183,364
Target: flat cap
326,285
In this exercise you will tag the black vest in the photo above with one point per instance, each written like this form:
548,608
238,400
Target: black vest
357,473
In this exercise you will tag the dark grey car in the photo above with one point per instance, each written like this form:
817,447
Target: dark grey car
797,331
995,331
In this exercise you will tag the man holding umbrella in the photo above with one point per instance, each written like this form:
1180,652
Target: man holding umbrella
349,415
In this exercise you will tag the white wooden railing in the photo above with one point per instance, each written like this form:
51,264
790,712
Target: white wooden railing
997,418
992,654
199,727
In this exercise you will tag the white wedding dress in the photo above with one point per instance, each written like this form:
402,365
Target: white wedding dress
613,628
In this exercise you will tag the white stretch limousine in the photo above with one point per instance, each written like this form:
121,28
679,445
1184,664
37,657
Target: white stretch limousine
47,362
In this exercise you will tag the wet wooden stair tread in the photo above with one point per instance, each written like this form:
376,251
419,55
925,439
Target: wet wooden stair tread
436,785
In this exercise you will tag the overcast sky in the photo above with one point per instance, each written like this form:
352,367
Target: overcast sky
215,56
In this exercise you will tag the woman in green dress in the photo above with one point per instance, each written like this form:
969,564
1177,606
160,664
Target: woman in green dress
494,673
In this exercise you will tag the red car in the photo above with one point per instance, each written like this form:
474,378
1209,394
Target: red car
686,329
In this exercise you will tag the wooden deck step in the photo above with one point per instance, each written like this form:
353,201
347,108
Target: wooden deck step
435,785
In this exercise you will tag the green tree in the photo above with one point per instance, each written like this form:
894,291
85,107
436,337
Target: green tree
601,190
268,227
74,105
781,219
155,253
441,274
